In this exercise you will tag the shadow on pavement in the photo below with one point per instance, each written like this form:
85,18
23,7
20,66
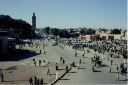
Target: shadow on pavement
81,68
15,80
104,65
72,72
114,72
45,83
61,69
122,80
12,68
18,55
85,57
83,63
97,71
52,74
64,79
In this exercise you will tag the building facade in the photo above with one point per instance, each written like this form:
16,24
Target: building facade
6,43
88,37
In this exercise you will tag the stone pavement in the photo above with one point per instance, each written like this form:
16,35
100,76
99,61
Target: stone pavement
20,74
85,75
21,71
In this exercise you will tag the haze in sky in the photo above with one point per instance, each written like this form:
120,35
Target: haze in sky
69,13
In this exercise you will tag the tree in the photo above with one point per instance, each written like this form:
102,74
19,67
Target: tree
71,30
85,31
82,31
116,31
102,29
54,31
19,26
90,31
64,33
46,30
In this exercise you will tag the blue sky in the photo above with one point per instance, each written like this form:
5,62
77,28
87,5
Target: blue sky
69,13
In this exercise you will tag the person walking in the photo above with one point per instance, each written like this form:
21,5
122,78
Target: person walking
44,61
66,68
92,59
117,68
111,55
121,65
62,48
57,75
35,63
2,77
33,59
118,76
80,61
56,66
78,66
48,72
63,61
93,69
110,69
39,62
38,82
41,81
40,51
75,54
73,64
111,62
31,81
108,58
35,80
83,55
118,56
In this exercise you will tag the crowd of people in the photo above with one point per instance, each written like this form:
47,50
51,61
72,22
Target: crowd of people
113,49
36,81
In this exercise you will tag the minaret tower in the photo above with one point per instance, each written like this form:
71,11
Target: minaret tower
34,22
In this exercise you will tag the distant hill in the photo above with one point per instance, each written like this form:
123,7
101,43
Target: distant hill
19,26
